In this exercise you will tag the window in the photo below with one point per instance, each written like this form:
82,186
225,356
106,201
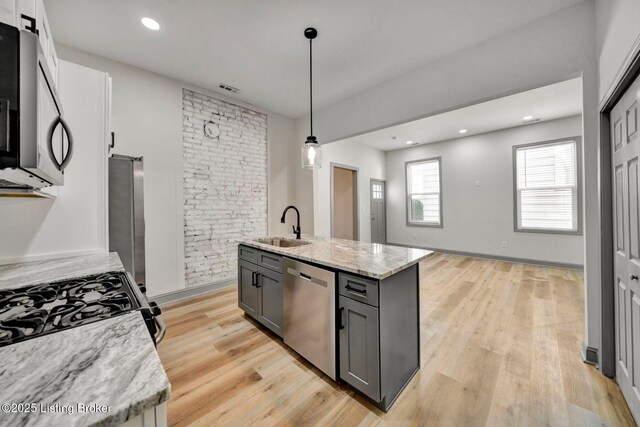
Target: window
547,187
424,198
377,191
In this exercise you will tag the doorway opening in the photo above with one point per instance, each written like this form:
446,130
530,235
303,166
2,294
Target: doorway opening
344,202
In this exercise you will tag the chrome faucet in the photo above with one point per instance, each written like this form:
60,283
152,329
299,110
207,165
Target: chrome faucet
296,228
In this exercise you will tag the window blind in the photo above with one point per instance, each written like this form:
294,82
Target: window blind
547,194
423,192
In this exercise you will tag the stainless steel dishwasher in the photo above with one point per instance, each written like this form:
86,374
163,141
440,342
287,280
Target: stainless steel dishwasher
309,314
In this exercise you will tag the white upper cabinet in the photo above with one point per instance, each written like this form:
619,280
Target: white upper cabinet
46,39
8,12
25,14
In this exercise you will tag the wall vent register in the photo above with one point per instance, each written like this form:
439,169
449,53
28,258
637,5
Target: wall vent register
228,88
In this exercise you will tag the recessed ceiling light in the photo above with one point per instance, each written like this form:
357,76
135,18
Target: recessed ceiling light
527,118
151,24
409,142
462,131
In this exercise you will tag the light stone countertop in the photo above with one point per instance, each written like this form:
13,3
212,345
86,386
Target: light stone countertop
367,259
51,270
112,362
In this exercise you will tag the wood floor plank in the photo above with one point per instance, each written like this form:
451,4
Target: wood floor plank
500,345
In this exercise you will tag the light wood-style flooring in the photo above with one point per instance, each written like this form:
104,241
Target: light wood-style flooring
500,346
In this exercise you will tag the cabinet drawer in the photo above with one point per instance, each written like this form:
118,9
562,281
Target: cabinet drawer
359,288
248,254
270,261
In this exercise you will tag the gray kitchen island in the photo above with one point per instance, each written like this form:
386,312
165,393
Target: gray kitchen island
350,308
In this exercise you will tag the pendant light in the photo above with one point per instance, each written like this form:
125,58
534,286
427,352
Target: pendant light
311,150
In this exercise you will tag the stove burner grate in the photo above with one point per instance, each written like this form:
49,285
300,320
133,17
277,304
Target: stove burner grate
50,307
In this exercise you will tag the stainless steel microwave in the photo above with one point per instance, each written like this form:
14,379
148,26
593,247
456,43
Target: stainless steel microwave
36,143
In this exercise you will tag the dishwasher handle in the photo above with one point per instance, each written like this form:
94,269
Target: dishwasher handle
306,277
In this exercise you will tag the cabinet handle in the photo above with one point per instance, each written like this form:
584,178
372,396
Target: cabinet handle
32,24
254,278
362,292
258,279
341,318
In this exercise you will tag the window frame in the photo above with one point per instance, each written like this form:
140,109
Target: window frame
408,193
578,231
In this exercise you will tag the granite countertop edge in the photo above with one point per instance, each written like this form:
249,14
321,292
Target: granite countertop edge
294,252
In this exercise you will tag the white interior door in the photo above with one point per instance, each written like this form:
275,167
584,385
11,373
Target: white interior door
626,213
378,212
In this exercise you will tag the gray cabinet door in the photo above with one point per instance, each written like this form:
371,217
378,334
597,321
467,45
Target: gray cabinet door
270,300
247,290
360,346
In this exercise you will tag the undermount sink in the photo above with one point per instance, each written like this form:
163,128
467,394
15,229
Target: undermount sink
283,243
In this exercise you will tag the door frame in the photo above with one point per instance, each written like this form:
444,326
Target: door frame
356,218
384,181
629,71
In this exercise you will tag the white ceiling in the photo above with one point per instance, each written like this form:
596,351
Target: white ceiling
258,46
551,102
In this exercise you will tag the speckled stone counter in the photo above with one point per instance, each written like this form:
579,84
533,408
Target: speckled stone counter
31,273
111,363
367,259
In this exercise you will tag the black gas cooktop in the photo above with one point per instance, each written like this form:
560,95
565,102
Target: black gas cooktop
38,310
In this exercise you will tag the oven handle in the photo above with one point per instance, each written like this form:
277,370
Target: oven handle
162,329
61,166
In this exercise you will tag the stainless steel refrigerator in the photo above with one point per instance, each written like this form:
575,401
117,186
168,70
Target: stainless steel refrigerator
126,213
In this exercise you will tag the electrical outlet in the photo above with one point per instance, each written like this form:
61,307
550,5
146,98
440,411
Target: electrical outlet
504,244
477,183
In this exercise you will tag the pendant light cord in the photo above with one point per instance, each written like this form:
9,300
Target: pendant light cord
311,84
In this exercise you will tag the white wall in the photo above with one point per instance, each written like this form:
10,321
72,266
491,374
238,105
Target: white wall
74,222
617,30
370,163
551,49
478,219
147,120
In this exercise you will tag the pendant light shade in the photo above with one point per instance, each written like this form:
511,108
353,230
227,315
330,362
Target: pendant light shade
311,153
311,150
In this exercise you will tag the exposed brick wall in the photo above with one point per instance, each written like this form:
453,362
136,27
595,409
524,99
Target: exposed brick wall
225,185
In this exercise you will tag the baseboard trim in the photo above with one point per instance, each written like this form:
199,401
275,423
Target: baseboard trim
589,355
498,257
186,293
